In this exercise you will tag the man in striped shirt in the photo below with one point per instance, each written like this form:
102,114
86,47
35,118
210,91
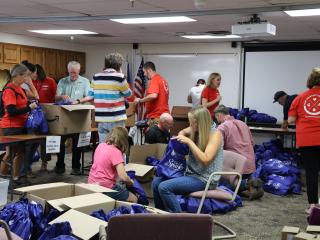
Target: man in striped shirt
108,91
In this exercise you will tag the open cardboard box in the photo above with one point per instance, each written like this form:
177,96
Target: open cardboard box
288,232
137,163
64,119
43,193
87,227
304,236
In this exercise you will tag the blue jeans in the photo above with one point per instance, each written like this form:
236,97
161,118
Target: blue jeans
165,191
105,128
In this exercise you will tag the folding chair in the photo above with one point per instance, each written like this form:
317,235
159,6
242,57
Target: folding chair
171,226
5,232
234,162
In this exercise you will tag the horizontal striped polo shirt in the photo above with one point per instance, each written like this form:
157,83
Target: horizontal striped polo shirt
109,88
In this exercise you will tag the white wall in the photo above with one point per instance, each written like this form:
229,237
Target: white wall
95,56
39,42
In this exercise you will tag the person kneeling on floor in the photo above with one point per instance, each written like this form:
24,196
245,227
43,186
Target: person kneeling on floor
108,166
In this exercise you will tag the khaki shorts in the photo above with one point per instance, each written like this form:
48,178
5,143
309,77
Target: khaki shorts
152,122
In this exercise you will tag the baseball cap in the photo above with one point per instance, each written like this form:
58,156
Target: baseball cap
278,95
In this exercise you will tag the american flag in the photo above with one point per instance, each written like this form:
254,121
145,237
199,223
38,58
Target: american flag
130,82
139,92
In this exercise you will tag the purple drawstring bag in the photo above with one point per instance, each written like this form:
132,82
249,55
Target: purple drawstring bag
173,163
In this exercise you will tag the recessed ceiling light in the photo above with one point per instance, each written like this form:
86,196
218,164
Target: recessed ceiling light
209,36
303,12
62,32
174,19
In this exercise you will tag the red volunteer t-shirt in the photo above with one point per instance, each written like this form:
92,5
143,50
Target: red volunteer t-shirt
46,89
210,94
160,105
9,98
306,109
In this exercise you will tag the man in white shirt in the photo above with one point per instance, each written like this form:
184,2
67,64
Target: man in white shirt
194,95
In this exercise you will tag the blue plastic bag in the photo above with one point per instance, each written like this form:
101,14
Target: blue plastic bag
36,121
210,205
173,164
64,102
276,188
152,161
55,230
65,237
275,166
135,208
17,216
137,189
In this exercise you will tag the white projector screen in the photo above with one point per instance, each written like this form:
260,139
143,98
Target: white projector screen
183,70
268,72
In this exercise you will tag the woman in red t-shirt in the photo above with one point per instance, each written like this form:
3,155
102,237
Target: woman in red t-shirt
16,108
210,96
305,112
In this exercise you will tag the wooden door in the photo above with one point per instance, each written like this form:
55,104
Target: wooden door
1,52
51,62
27,53
39,56
61,64
11,53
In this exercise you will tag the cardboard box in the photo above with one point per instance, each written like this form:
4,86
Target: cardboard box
66,119
304,236
131,116
180,117
83,226
137,162
313,229
139,153
53,192
287,232
87,227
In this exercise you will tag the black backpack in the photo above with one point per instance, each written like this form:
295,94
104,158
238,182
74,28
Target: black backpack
1,100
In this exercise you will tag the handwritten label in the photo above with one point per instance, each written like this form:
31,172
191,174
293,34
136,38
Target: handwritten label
84,139
53,144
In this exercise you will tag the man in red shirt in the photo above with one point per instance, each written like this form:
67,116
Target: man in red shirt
157,94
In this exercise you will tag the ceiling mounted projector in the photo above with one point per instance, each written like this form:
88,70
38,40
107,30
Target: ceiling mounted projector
254,27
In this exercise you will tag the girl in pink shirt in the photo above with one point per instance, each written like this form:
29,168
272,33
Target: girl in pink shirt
108,166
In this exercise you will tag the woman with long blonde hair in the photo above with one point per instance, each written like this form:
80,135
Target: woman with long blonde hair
108,165
210,96
205,156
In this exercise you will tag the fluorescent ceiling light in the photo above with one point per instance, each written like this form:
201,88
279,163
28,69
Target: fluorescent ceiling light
209,36
304,12
62,32
153,20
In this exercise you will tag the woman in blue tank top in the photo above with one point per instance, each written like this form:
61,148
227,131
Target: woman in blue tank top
206,156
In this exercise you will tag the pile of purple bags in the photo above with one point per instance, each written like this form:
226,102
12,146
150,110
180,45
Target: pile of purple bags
278,169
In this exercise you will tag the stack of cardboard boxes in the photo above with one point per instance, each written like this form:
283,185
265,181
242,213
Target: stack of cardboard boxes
294,233
76,202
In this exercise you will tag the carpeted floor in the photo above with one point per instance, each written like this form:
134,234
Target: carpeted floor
260,219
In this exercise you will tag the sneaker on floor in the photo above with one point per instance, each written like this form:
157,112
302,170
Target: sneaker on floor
59,170
75,171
